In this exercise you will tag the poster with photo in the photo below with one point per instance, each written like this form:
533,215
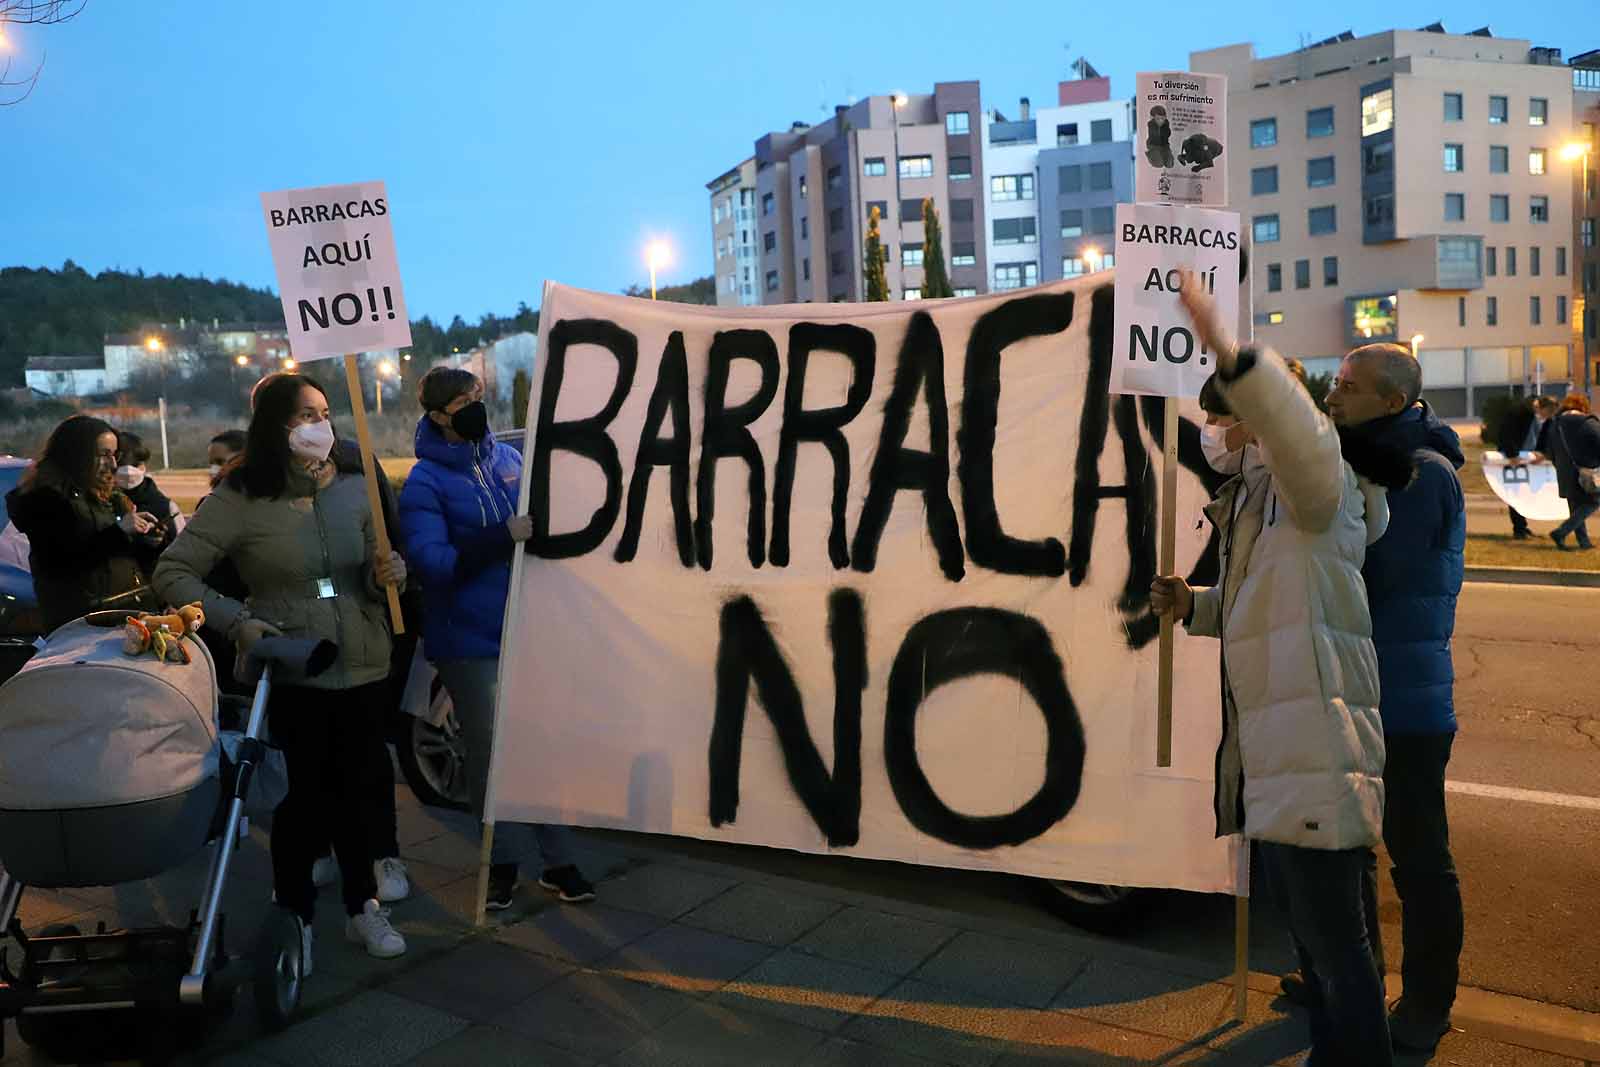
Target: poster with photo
1182,155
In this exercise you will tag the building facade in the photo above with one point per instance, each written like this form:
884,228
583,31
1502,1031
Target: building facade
733,235
1406,186
1584,159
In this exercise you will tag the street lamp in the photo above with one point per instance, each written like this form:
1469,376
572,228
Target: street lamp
153,345
1092,256
289,364
658,254
385,368
1416,339
1578,152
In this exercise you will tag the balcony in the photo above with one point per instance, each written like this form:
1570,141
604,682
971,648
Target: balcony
1436,262
1013,133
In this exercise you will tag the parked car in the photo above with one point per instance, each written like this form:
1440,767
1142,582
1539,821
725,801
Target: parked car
20,621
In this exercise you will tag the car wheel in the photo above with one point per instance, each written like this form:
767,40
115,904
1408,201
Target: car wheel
1101,908
433,758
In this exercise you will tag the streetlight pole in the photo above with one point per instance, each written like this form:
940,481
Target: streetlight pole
657,254
155,347
1416,339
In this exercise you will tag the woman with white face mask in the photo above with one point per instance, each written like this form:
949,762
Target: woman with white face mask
301,534
132,476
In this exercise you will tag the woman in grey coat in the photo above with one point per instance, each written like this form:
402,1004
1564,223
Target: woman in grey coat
301,535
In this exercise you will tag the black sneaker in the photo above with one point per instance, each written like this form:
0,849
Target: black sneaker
1560,542
568,884
502,886
1414,1030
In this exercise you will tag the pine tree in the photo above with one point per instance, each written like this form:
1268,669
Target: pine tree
935,279
877,280
520,387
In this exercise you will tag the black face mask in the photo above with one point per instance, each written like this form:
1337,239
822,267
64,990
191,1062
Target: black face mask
472,421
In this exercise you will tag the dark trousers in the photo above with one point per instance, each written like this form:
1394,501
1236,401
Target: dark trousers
1320,892
1417,836
1579,508
331,740
1519,525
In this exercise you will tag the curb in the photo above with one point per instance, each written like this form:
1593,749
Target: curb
1533,576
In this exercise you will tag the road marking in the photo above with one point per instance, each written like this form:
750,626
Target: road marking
1529,796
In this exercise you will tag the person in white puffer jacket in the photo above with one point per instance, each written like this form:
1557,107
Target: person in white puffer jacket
1300,769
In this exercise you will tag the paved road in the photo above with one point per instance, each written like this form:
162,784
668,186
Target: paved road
1527,659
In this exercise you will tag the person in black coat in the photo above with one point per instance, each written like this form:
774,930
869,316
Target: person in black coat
87,541
1572,441
1519,432
133,478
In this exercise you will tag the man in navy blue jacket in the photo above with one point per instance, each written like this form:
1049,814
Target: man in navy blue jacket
1413,577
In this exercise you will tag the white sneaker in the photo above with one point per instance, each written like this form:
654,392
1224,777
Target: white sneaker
324,872
371,928
393,882
305,949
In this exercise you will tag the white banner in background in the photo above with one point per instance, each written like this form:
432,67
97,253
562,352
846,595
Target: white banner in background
868,579
1529,487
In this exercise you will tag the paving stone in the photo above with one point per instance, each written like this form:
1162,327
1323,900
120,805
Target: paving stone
709,1034
758,913
944,1025
663,890
480,980
1057,1038
1188,1009
493,1046
682,957
876,940
801,988
839,1052
1009,970
578,935
375,1028
594,1015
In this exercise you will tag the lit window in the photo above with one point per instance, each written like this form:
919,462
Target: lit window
1538,112
916,166
968,291
1275,318
1071,266
957,122
1374,317
912,294
1011,187
1015,275
911,255
1377,112
1535,161
1453,159
1264,229
874,167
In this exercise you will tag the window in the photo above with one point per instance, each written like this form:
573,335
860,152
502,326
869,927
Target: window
1015,275
767,204
802,185
1561,261
1538,209
1586,232
772,281
1015,231
1274,277
1319,172
911,294
1066,134
1263,133
1070,179
1322,220
1535,161
1072,222
1011,187
1533,311
958,291
1071,266
874,167
1379,209
1561,311
836,263
960,168
1330,270
1499,208
1274,318
1302,274
1099,176
1377,112
805,227
836,220
1453,159
1533,261
1378,158
805,269
1497,111
1108,261
961,210
883,209
957,122
1100,131
1102,219
911,209
1455,207
1263,180
1374,317
1452,108
769,241
916,166
1264,229
1511,261
1461,311
911,255
1538,112
964,254
1491,312
1490,261
1319,122
1499,159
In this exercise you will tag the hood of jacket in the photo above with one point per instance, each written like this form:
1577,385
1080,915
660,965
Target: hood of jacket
431,445
1381,450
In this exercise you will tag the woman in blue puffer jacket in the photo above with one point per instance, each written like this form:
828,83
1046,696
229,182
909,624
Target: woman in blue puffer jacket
459,513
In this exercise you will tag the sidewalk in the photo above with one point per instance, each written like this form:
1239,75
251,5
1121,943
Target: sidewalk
692,962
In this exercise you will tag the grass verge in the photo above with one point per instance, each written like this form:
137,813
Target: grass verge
1499,550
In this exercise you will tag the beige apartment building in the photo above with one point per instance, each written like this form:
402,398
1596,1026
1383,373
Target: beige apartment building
733,234
1409,183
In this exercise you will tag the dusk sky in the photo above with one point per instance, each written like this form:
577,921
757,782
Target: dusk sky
523,141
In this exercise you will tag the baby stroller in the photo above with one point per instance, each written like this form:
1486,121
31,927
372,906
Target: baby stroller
111,771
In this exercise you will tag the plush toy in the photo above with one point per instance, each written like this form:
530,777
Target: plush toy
162,635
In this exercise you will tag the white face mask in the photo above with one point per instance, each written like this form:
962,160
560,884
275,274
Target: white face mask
311,441
129,477
1214,443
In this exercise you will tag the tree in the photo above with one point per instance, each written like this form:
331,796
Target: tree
15,89
935,279
700,291
520,387
872,267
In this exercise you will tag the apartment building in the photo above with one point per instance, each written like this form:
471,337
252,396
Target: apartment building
1407,186
733,235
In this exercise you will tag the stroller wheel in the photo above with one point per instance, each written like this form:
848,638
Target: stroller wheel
278,966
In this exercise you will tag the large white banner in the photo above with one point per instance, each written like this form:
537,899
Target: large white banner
869,579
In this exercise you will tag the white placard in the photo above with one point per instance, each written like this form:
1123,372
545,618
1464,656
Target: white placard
1182,155
333,247
1155,351
1530,487
886,641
